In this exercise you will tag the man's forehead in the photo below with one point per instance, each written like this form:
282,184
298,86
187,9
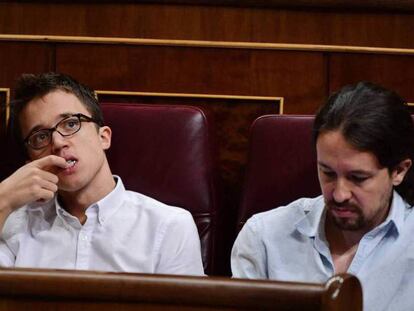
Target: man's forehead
337,140
45,111
332,147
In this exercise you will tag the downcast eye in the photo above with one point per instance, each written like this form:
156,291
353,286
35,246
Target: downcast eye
358,179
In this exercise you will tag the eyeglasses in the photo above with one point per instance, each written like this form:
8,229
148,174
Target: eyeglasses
65,127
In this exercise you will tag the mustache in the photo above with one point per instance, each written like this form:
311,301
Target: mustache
338,205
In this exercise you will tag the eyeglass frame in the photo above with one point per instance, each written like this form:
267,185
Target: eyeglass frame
81,117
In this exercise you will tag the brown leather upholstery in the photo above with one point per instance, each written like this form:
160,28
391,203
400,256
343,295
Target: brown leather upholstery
281,164
165,152
72,290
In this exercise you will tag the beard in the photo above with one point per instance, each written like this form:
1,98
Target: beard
354,223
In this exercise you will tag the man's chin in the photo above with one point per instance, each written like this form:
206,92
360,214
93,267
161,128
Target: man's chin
348,224
68,187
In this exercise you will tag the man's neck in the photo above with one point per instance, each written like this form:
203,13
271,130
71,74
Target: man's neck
343,245
76,203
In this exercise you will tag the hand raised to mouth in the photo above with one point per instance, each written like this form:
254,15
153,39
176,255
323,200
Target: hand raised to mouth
37,180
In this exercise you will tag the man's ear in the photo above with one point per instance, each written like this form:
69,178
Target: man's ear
105,135
400,171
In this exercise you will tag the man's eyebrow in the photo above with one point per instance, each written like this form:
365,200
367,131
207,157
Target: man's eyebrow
362,172
324,165
41,127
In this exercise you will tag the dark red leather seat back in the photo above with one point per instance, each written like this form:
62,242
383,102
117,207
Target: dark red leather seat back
165,152
281,165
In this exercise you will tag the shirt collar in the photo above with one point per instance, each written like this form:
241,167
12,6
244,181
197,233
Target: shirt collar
396,215
106,206
310,224
109,204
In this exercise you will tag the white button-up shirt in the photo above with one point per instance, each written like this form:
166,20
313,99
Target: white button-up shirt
124,232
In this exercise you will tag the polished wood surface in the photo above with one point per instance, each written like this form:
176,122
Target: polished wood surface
18,57
63,290
380,5
199,70
204,22
394,72
293,47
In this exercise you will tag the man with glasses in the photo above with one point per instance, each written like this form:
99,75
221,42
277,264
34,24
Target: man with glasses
64,209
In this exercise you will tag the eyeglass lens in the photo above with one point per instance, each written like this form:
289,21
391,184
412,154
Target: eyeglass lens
65,127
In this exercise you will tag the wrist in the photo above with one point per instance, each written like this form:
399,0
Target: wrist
6,206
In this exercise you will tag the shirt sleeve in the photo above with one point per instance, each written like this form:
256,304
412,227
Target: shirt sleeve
7,257
248,256
180,251
10,237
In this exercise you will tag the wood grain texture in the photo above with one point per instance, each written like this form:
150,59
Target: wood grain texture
372,5
59,290
393,72
198,22
17,58
299,77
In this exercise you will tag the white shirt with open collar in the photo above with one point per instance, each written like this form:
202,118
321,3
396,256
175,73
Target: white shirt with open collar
124,232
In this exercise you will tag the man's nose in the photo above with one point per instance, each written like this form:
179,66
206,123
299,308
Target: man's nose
57,141
342,191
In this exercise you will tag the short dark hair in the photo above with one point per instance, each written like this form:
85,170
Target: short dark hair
373,119
31,86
